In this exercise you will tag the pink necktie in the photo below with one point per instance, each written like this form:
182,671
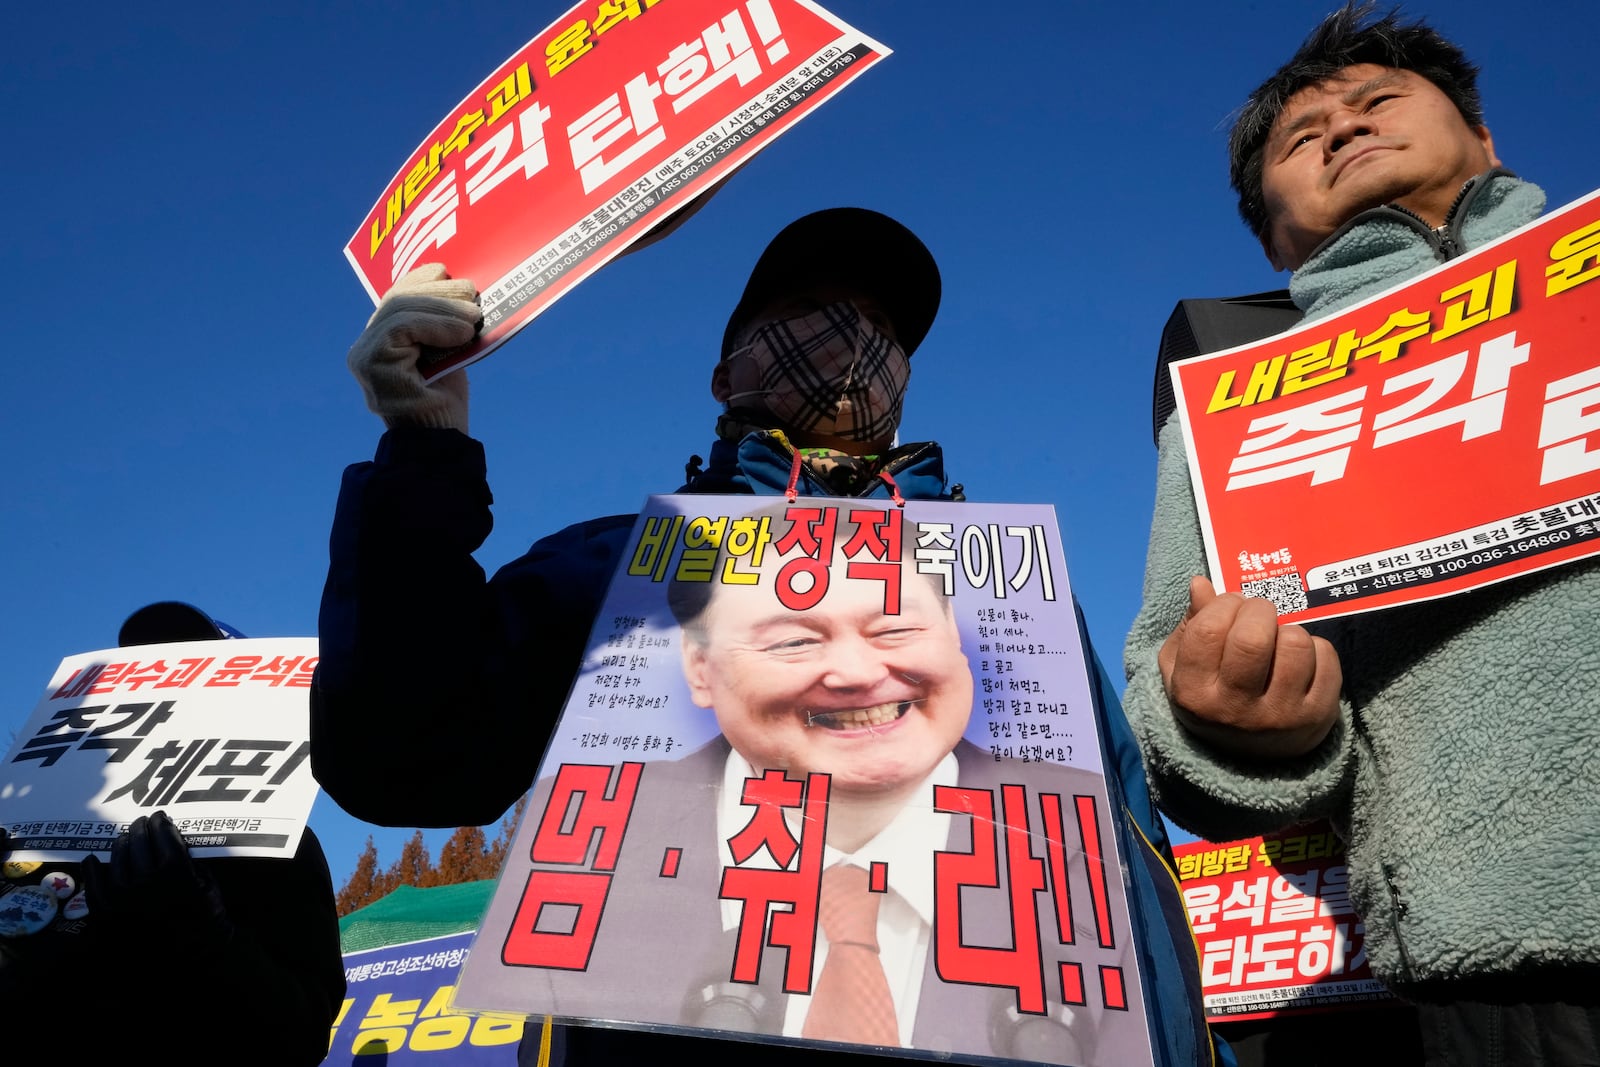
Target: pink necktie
852,1000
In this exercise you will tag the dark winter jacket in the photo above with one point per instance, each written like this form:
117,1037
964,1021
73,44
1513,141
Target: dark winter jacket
261,984
430,673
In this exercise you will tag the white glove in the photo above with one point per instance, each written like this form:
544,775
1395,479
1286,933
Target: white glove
425,309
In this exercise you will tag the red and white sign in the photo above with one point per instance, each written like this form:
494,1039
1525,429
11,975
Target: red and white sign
212,732
1272,918
617,115
1438,438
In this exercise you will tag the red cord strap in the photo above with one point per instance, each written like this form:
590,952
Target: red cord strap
894,490
793,492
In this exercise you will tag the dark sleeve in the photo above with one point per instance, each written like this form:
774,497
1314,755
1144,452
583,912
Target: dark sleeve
437,689
277,982
1171,961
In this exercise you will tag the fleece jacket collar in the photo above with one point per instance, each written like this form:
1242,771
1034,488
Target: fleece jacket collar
1364,256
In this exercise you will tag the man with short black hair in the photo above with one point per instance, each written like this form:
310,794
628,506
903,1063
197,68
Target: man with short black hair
1441,738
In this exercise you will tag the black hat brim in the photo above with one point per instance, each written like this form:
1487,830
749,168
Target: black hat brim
168,620
850,249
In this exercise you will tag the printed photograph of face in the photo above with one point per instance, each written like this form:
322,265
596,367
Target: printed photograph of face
875,700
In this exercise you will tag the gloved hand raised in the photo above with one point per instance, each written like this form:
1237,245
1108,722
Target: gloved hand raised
425,309
152,894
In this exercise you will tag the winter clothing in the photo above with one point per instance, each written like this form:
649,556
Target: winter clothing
425,313
427,676
235,960
1459,770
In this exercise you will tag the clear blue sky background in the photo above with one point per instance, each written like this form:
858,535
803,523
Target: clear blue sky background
183,176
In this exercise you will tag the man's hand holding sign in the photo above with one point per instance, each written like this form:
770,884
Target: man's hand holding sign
426,313
1245,683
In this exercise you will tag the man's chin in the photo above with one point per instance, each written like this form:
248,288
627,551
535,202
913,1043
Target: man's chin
873,783
865,767
1373,181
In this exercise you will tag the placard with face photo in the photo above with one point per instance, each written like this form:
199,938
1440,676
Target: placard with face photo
831,772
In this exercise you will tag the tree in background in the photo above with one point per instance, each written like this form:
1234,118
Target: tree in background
415,866
466,857
366,884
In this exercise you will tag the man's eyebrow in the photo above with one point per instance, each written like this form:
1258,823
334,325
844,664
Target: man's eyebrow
1381,81
778,618
1349,98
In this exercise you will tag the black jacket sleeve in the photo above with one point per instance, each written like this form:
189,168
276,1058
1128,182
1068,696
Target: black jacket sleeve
437,689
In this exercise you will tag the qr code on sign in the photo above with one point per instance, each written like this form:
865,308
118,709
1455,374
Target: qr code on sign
1286,592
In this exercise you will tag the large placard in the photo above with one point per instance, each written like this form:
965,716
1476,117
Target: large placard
1437,438
780,698
213,732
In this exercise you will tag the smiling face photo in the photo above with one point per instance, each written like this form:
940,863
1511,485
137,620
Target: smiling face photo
875,700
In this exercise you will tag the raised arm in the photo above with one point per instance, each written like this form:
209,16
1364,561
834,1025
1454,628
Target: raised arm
437,688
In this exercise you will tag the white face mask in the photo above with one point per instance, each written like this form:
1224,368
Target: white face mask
829,371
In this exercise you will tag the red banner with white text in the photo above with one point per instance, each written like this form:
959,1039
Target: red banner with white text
1273,921
1442,436
618,114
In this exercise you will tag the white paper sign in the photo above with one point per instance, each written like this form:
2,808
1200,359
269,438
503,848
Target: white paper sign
216,733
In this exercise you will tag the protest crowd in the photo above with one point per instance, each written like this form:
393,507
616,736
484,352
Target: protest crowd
1429,736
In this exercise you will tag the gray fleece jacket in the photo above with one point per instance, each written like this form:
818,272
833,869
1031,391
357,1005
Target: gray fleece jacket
1462,770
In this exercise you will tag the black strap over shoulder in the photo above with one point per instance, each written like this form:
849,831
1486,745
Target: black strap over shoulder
1211,325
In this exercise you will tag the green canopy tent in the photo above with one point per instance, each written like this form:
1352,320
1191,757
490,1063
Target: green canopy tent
412,914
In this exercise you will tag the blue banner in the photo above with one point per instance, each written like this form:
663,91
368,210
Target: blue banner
398,1005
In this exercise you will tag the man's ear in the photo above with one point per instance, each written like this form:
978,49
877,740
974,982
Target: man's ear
720,390
1271,253
1487,138
695,672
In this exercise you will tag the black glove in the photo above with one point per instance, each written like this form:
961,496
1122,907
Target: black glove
152,895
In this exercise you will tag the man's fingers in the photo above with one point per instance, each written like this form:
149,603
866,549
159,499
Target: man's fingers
453,290
1231,663
440,307
130,857
432,279
1249,648
428,288
420,275
168,852
1244,682
1201,593
1328,682
1191,657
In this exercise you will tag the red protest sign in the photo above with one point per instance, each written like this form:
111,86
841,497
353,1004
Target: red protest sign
1274,924
1438,438
617,115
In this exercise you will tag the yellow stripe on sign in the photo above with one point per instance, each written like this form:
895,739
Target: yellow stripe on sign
544,1041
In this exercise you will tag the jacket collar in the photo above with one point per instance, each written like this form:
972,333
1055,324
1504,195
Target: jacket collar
1384,246
760,463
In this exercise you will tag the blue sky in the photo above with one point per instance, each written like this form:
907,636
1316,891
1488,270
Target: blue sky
184,176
